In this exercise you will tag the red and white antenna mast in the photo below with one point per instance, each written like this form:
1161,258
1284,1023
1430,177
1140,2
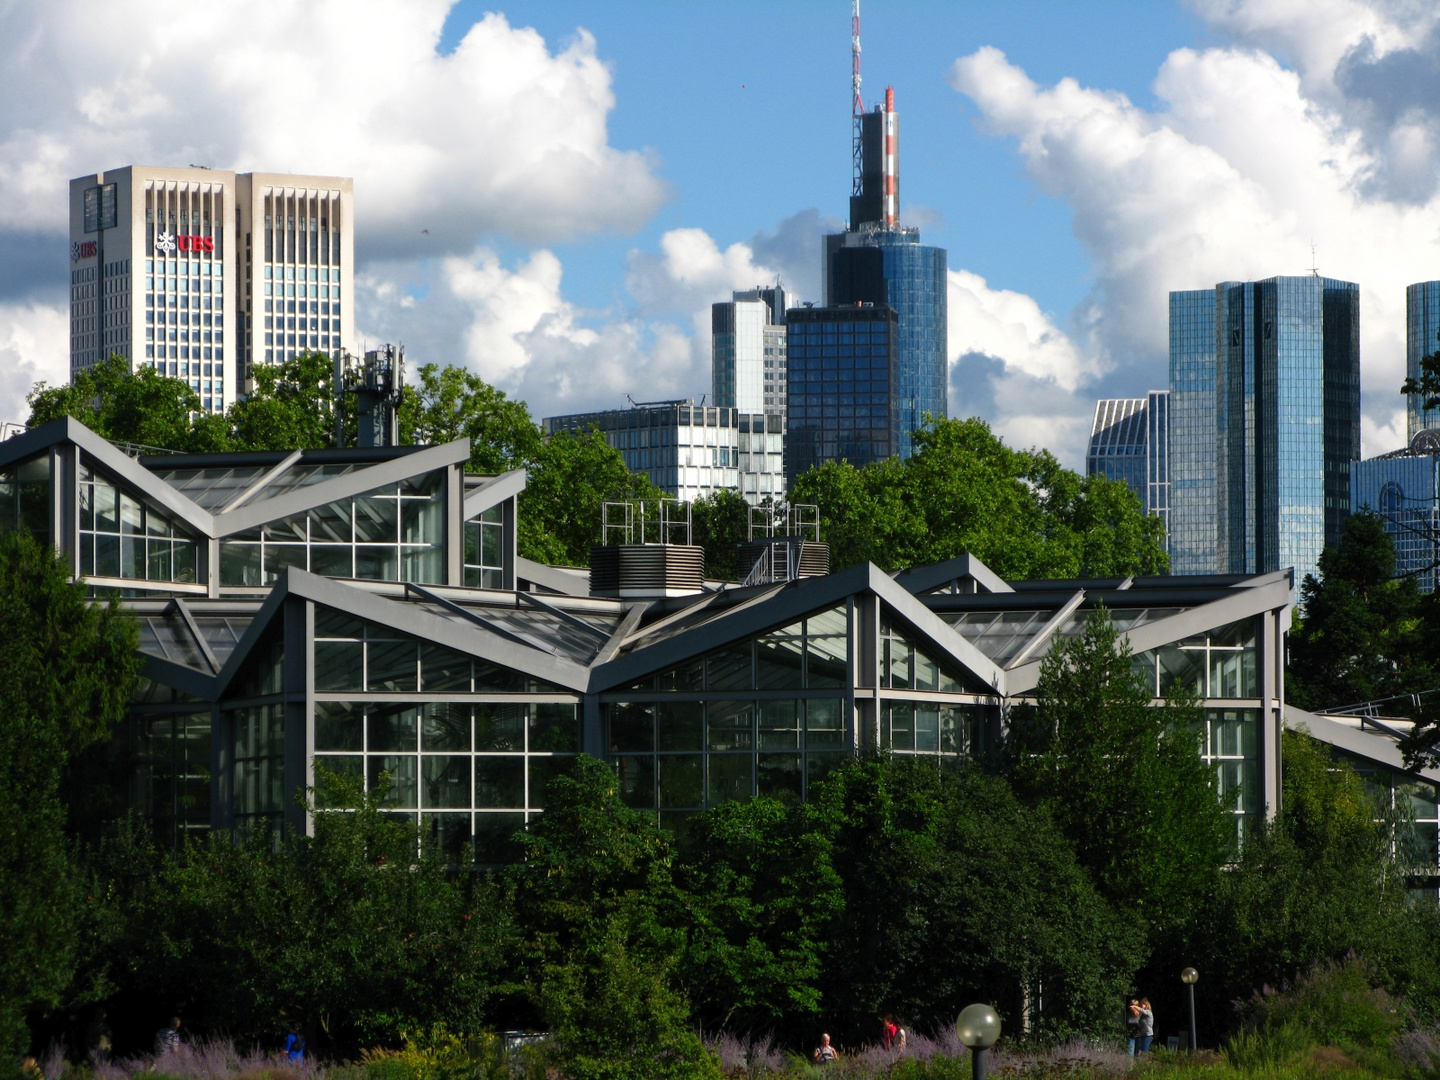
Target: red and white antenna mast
857,105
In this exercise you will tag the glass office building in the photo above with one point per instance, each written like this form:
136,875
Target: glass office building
365,612
692,451
842,387
1422,325
747,341
889,266
1403,488
1129,442
1286,352
1192,443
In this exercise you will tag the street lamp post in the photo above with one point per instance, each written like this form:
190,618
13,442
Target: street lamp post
1189,977
978,1027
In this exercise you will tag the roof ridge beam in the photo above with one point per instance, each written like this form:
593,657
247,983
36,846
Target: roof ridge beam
624,630
478,620
1045,632
261,484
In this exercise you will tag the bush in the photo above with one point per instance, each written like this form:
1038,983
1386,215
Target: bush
1334,1004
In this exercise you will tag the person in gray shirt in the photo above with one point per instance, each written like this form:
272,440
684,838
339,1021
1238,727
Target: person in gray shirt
1146,1032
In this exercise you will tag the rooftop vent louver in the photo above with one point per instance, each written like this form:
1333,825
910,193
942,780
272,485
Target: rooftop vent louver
784,545
645,551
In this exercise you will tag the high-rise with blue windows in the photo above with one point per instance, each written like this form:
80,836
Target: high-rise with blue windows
1265,421
1129,442
1422,325
1403,489
881,263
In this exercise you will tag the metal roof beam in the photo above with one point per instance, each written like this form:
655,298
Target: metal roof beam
478,620
624,630
1045,632
261,484
194,628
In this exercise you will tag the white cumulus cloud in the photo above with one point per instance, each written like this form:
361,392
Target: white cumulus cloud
34,347
1233,178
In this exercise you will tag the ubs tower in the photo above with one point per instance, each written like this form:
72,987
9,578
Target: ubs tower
878,261
1264,422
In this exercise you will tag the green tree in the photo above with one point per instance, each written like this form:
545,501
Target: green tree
291,408
67,668
454,403
142,407
1123,778
561,507
957,891
963,489
597,904
721,523
348,930
1321,881
1362,634
764,897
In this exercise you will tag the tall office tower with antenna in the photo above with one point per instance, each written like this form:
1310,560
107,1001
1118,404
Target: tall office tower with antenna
878,262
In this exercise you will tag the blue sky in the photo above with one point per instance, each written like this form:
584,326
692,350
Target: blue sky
553,193
748,107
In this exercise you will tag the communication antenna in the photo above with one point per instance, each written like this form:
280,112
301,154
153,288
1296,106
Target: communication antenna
857,105
1314,269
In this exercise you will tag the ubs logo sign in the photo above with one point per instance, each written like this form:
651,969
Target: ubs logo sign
167,242
83,249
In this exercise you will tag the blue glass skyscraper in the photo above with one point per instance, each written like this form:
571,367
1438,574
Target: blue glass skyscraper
880,263
1403,489
1128,442
1422,323
1269,487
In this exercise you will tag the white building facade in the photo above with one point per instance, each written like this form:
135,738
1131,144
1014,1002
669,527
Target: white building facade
164,271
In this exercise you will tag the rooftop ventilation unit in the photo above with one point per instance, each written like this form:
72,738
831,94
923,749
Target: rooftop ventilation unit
784,544
645,551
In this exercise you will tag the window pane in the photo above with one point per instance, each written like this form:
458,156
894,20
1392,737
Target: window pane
729,668
500,727
779,777
279,556
732,776
344,765
899,729
339,666
391,727
331,524
107,555
377,563
636,776
554,728
445,726
826,649
392,665
542,771
442,670
779,659
681,781
779,725
632,727
1181,668
927,727
680,725
823,728
339,725
446,780
499,782
730,725
332,560
401,771
377,520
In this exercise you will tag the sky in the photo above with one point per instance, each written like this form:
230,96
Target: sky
553,193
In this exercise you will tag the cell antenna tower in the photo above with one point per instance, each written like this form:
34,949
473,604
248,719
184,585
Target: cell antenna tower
857,106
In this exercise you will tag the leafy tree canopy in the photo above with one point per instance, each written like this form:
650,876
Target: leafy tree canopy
1123,778
1019,511
67,668
1362,634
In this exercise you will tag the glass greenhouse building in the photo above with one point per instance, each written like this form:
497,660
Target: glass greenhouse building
366,611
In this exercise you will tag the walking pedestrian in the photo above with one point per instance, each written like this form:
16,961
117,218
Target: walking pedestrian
887,1032
295,1045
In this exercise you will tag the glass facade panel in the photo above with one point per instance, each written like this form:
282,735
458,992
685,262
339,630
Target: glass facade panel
771,662
259,756
394,533
25,497
1231,744
171,782
905,666
485,550
122,537
1221,664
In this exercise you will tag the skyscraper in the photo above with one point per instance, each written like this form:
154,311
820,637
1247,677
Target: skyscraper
162,271
877,261
841,387
1403,489
748,350
1422,323
1265,422
1128,441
